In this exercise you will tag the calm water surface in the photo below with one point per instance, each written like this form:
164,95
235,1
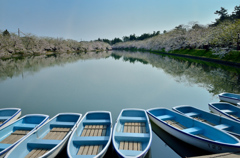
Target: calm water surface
113,81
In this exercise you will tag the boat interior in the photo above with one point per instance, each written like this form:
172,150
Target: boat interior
193,127
132,133
16,131
6,114
49,136
92,135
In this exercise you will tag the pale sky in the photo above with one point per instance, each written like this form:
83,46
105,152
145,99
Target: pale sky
92,19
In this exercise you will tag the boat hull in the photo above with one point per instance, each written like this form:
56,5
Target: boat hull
230,97
29,122
225,109
11,119
214,120
51,137
211,146
87,135
121,135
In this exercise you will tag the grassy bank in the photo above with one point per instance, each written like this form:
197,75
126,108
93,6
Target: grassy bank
231,57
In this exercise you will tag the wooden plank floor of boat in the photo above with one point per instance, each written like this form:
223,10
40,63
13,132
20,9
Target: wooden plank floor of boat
15,136
203,120
175,124
132,127
36,153
92,131
57,133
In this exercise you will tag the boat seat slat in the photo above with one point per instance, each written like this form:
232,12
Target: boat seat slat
126,145
89,149
134,127
35,153
85,150
121,145
55,129
57,133
15,136
94,130
95,149
30,153
80,151
20,132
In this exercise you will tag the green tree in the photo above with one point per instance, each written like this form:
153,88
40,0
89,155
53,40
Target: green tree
132,37
126,38
116,40
236,13
6,33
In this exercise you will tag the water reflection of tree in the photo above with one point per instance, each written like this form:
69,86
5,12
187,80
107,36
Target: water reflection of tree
26,66
215,78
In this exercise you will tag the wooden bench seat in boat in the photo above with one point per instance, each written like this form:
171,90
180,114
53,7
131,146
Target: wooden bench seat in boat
99,122
193,130
1,121
192,114
132,119
43,143
92,133
228,111
165,117
63,124
15,136
25,126
222,126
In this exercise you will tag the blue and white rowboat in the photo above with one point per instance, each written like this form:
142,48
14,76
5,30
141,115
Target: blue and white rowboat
194,132
48,140
132,134
217,121
92,136
8,115
225,109
18,130
230,97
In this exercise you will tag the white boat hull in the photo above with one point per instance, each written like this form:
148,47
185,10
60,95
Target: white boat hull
231,99
14,118
213,147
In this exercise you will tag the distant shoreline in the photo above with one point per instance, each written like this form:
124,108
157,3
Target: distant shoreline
186,54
